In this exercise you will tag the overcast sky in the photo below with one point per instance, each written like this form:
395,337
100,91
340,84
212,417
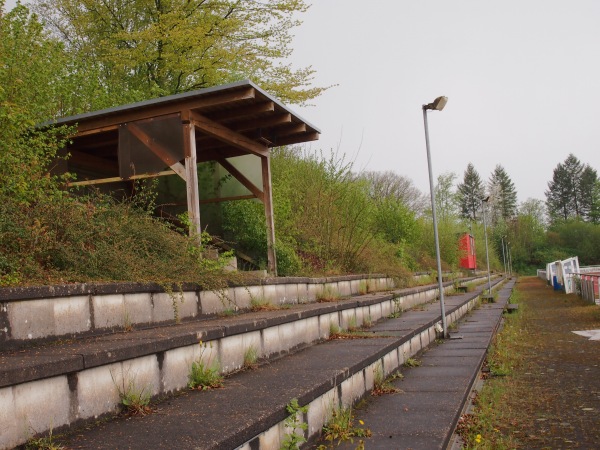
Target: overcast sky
522,80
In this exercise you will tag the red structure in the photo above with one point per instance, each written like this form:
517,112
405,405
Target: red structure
466,244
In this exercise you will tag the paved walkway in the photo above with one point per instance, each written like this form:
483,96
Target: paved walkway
425,413
254,400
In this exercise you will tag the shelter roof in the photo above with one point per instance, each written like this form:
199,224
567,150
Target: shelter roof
230,120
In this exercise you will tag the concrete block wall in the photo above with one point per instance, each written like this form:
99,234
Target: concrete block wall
45,313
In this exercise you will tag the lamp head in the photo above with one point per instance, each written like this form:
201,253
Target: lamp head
438,104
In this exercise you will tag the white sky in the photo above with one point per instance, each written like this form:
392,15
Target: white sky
522,80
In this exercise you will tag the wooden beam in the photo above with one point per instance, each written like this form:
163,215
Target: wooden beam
117,179
191,183
268,202
297,139
244,111
226,199
88,161
295,128
158,149
241,178
263,122
96,125
87,132
222,133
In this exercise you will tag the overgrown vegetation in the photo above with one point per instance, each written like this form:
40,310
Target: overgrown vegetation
329,218
479,430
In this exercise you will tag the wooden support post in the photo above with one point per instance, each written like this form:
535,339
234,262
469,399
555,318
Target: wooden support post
191,180
268,203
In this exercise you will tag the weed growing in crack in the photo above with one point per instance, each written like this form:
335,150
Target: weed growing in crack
328,294
134,400
397,312
261,304
412,362
250,357
383,385
295,426
43,443
341,428
204,376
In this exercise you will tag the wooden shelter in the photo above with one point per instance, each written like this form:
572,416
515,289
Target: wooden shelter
171,135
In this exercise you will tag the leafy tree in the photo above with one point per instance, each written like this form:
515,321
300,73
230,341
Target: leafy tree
470,193
503,196
445,197
391,185
150,48
33,87
575,237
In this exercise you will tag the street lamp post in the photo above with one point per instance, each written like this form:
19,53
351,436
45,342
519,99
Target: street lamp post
487,253
503,255
437,105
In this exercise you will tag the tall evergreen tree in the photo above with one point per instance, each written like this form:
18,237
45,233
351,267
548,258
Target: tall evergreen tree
470,193
570,193
586,186
503,201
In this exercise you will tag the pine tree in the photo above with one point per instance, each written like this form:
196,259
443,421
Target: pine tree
470,193
503,201
570,192
587,200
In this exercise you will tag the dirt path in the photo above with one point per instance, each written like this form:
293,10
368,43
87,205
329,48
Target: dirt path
555,392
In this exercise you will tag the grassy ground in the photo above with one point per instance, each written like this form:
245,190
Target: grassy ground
543,387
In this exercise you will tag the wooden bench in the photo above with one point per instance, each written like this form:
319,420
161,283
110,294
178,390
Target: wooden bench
488,298
462,288
511,308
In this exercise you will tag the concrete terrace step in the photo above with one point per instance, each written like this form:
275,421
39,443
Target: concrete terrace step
434,394
250,411
73,382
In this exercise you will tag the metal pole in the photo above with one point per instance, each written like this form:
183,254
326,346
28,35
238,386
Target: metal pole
487,253
435,227
503,255
509,259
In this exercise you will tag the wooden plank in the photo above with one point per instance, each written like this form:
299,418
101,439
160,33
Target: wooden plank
268,202
297,139
241,178
222,133
296,128
263,122
226,199
95,125
244,111
117,179
158,149
191,183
